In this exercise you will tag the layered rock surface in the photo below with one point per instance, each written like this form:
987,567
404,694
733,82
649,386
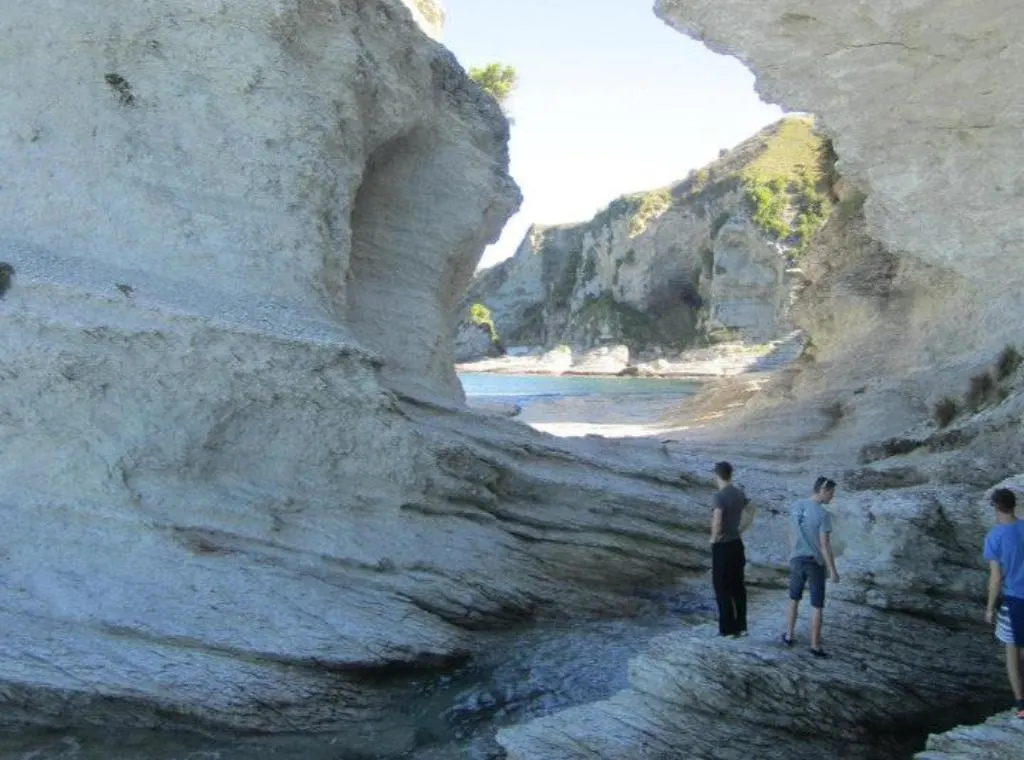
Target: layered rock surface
999,738
903,628
911,303
229,499
238,490
666,269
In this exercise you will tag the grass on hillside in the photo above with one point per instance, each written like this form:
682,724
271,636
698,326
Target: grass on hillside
784,169
793,149
785,181
651,206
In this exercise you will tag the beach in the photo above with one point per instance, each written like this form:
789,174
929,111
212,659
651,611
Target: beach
575,406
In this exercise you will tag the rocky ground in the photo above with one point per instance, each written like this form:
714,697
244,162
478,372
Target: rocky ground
904,624
999,738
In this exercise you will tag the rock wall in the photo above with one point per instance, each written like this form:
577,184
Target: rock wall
668,269
922,107
265,204
238,492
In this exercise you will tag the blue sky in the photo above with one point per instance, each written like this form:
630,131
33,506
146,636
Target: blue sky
610,101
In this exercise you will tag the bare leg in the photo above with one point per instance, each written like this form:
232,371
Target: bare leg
1013,671
816,627
791,617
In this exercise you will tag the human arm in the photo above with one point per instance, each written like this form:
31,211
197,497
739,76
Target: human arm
747,518
995,574
829,555
995,582
716,524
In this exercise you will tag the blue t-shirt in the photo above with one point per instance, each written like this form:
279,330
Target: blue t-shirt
1005,544
808,520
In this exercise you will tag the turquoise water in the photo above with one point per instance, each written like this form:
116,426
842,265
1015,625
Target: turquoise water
522,387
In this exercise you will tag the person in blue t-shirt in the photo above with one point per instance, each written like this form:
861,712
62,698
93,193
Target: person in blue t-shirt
810,530
1004,550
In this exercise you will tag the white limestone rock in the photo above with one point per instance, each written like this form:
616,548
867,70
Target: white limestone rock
238,230
319,167
749,288
1001,737
923,103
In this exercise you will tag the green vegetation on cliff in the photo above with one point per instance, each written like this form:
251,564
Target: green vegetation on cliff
785,172
651,206
498,79
787,180
481,316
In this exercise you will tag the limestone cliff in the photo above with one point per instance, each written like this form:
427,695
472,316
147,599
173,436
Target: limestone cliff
938,187
239,489
911,301
670,268
236,483
303,121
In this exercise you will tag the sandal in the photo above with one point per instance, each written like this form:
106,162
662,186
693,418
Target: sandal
787,640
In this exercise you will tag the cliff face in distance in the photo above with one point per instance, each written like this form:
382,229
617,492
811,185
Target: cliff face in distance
671,268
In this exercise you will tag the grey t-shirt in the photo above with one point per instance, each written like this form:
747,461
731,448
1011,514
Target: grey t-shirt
809,520
731,501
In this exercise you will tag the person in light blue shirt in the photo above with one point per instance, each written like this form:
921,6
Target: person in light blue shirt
810,530
1004,550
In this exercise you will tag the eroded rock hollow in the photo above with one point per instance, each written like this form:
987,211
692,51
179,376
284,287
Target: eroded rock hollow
239,233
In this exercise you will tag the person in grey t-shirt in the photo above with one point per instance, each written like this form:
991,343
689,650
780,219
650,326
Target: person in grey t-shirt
730,515
810,535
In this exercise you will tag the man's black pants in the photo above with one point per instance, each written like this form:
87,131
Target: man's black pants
727,562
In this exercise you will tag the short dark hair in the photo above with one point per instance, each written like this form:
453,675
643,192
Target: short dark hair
824,484
1004,500
723,470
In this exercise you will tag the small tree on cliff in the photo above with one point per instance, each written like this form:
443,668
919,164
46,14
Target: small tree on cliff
498,79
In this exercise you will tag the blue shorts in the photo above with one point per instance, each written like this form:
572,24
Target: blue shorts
806,571
1010,622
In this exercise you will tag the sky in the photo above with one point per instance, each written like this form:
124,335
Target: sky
610,101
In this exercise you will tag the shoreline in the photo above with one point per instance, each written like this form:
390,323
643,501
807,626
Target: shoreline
472,369
608,414
720,361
